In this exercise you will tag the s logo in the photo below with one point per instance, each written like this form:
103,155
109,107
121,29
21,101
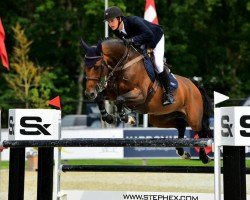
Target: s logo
244,124
227,132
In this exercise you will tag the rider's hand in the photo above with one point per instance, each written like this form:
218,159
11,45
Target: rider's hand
128,41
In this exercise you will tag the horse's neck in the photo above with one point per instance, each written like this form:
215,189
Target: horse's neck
122,52
115,51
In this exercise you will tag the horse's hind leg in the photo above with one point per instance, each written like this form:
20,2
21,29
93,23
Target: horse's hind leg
195,122
202,153
181,127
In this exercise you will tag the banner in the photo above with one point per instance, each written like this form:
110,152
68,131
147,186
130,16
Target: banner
3,53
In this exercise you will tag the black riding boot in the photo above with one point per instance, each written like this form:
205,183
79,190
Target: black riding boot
168,97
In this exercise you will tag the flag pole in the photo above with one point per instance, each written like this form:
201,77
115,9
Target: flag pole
106,33
106,23
151,16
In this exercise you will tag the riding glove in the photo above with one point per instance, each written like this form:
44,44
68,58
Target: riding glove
128,41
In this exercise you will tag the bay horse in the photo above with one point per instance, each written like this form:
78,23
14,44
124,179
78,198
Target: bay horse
116,72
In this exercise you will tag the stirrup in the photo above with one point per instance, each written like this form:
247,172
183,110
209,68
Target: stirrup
167,99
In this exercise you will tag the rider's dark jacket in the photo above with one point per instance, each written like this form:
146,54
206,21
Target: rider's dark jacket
141,31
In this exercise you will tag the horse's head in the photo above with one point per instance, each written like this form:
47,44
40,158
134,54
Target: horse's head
94,70
99,61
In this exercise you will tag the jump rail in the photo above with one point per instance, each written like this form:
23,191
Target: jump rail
110,142
129,168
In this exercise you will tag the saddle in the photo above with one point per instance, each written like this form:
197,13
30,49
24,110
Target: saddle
149,63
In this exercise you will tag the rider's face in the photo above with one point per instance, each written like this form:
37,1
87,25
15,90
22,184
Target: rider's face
113,23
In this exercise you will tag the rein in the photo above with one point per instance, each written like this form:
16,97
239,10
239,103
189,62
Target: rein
102,85
123,58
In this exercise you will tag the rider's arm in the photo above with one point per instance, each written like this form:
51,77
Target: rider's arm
145,34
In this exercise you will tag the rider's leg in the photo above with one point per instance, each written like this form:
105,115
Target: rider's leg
163,74
168,97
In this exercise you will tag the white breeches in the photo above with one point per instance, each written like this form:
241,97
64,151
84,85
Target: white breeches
159,54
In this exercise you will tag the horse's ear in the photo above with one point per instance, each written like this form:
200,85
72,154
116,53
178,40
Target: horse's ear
84,45
99,47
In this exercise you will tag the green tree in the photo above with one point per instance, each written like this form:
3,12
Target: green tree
28,82
206,38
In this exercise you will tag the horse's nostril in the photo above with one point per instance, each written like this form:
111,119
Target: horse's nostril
92,95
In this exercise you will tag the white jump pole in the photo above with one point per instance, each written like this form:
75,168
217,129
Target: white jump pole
217,167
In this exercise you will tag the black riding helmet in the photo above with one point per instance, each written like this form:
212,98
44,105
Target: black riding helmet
112,12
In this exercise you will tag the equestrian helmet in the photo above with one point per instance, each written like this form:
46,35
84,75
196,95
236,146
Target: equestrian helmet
112,12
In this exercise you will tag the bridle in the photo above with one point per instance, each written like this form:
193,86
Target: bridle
102,85
97,58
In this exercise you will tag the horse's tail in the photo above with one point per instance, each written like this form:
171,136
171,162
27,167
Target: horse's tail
207,110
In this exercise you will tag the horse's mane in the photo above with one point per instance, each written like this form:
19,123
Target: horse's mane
112,41
116,43
108,41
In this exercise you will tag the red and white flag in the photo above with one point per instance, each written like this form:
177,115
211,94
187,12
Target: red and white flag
3,53
150,12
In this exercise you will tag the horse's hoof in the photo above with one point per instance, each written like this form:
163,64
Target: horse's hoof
206,160
131,120
109,119
186,155
179,152
204,157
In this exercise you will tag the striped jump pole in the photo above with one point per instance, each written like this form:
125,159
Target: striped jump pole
110,142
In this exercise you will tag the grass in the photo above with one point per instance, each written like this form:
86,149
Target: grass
4,164
150,162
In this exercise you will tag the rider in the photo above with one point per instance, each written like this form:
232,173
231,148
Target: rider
137,31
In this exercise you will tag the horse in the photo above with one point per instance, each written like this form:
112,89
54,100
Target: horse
116,72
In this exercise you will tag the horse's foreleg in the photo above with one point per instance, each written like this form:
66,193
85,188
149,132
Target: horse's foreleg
121,111
105,116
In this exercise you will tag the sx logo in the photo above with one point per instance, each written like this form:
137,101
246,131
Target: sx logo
244,123
227,132
41,128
